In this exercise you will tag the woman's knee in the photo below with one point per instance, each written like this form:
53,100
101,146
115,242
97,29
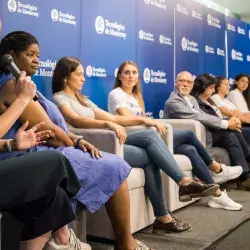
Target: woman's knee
190,134
186,149
150,133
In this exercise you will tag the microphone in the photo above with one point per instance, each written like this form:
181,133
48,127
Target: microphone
7,62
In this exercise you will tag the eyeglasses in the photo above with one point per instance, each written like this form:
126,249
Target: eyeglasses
184,80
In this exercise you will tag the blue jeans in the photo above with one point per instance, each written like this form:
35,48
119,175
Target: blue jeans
186,143
145,149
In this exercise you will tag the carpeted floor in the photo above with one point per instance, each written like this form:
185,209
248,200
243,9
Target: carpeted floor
211,228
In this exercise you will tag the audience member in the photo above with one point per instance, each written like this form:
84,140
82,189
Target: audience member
219,132
239,95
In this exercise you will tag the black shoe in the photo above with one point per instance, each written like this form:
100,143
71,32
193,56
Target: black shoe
196,189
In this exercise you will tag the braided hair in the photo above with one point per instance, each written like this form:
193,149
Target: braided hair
16,41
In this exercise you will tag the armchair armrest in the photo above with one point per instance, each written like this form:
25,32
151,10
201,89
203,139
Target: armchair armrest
167,138
104,139
193,125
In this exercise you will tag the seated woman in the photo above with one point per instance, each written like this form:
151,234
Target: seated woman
43,181
227,108
126,99
142,149
102,175
239,95
232,141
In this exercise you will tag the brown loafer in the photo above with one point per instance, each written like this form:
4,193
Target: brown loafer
175,226
244,185
196,189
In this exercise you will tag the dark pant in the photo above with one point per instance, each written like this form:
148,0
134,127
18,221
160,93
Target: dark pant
35,188
46,214
186,143
246,133
236,146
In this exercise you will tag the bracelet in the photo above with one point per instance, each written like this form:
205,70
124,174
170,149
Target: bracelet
77,141
11,145
8,146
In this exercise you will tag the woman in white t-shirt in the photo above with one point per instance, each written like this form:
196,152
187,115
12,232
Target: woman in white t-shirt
227,108
142,149
239,95
126,100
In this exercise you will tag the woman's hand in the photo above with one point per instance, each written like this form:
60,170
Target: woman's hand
88,147
30,138
119,130
25,87
153,123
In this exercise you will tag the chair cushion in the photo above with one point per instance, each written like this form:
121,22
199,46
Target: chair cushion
136,178
184,162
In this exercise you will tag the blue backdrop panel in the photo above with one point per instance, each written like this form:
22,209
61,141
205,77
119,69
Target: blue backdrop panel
189,18
56,25
108,39
237,37
155,44
213,36
247,51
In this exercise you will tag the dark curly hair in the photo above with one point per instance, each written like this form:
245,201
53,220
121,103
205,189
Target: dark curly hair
16,41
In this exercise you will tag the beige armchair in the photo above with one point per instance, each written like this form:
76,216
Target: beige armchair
141,212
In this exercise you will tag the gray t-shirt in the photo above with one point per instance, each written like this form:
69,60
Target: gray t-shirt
61,98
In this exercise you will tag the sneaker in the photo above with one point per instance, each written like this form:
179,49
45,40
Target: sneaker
175,226
244,185
227,173
74,244
196,189
224,202
142,246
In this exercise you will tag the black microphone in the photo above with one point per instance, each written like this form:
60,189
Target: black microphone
7,62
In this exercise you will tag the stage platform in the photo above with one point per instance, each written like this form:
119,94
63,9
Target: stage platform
211,228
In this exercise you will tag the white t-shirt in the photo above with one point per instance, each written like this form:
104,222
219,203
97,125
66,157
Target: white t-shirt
237,98
222,102
120,99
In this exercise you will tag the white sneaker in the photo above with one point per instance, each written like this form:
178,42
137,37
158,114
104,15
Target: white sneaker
227,173
142,246
224,202
74,244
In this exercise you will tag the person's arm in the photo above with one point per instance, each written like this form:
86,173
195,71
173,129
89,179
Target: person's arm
221,105
244,117
102,119
78,121
226,111
178,110
130,120
124,112
34,113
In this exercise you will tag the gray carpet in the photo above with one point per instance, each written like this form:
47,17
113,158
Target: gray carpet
208,226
